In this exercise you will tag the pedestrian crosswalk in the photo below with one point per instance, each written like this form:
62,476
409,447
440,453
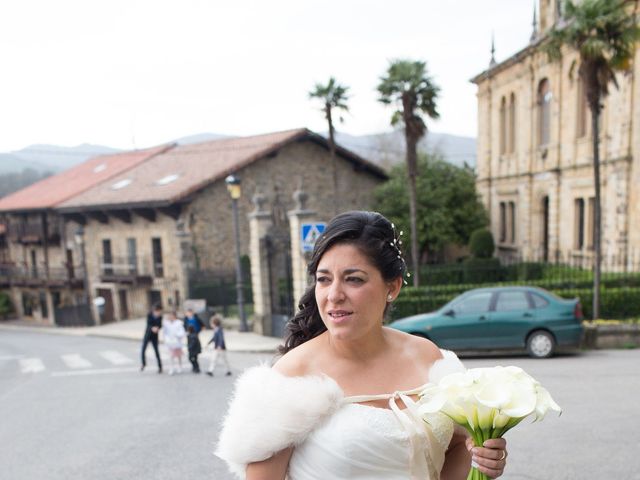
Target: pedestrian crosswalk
73,364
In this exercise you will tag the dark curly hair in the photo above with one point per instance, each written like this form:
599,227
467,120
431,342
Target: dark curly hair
374,236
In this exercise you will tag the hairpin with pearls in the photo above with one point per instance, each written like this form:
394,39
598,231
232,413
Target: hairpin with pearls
396,244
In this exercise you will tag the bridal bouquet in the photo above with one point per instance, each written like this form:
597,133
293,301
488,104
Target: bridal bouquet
487,401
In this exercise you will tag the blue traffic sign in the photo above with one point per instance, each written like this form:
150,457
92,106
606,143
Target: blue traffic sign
309,233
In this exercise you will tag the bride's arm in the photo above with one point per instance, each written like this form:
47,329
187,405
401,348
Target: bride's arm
457,461
490,459
274,468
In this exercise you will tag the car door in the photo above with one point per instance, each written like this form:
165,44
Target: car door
511,318
466,322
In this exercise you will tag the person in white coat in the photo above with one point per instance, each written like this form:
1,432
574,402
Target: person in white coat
174,334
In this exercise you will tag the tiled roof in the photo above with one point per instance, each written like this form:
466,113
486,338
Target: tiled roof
175,174
54,190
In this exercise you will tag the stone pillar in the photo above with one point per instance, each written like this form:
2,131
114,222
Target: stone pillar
260,221
297,217
185,250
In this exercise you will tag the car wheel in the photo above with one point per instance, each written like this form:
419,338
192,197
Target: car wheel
541,344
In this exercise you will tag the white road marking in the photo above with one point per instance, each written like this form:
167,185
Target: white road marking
31,365
73,360
116,357
97,371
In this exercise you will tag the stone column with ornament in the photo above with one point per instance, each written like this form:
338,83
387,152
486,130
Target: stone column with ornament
260,221
299,259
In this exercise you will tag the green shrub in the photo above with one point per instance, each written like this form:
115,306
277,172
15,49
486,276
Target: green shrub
5,303
616,303
481,243
524,271
482,270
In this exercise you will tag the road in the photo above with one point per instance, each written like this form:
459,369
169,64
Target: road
78,408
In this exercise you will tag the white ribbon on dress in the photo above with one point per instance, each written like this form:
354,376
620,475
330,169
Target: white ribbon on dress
423,459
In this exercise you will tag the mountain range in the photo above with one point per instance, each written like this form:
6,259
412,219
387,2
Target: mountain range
384,149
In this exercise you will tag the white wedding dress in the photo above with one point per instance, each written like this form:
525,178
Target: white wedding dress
334,437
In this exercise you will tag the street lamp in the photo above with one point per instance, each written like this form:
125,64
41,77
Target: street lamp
79,238
235,191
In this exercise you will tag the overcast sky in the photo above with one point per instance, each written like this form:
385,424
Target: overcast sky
136,73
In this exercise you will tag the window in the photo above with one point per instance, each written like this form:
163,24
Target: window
581,113
503,222
512,301
476,303
156,248
538,301
503,126
132,255
579,223
511,147
107,257
512,222
544,112
507,222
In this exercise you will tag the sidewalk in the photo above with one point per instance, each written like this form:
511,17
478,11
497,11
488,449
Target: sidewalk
134,330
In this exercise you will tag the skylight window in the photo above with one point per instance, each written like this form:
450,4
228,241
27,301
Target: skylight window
121,184
100,168
168,179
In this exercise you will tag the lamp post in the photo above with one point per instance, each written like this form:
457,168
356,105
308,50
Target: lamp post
235,191
79,238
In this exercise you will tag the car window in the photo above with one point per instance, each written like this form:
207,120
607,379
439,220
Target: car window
476,303
539,301
512,301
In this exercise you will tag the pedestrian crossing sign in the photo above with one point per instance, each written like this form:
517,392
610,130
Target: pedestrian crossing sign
310,232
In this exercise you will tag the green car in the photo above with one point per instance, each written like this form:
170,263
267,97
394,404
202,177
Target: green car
501,318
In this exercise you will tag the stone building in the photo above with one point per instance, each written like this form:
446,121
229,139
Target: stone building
535,163
150,227
40,261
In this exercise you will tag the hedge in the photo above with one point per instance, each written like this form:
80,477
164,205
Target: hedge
6,306
616,303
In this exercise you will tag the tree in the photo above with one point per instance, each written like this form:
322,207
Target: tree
604,35
334,96
407,85
446,194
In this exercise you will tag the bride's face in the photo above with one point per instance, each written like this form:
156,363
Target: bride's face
350,292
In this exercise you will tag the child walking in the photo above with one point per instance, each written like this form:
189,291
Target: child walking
219,347
173,332
193,343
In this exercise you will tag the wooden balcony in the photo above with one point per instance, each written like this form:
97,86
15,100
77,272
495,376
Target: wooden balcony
126,270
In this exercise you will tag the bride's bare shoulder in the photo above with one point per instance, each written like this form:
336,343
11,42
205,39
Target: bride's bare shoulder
415,347
297,362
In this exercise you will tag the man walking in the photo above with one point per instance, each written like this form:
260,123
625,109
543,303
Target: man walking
154,322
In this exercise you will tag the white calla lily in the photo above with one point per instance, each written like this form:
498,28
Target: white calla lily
487,401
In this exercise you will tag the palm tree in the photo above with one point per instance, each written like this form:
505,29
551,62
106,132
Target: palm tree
604,34
407,85
333,95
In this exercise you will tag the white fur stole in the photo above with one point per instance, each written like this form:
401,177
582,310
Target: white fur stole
270,412
449,363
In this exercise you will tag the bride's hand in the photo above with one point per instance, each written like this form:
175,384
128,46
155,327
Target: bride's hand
491,458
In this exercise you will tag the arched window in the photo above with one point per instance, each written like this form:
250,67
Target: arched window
581,111
512,123
544,112
503,126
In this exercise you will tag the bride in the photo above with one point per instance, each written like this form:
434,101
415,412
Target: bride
339,403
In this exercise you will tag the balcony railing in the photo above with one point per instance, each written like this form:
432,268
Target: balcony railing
32,232
125,269
21,273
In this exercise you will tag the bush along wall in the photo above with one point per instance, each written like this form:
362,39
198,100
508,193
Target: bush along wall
616,302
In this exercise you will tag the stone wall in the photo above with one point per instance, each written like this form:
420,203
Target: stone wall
209,217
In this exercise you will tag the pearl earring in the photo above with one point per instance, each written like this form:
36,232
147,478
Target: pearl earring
389,297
